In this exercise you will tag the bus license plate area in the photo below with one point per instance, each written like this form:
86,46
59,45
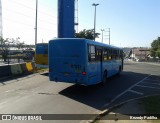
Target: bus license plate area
66,74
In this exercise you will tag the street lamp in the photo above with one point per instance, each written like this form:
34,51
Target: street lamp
102,34
36,27
36,23
95,5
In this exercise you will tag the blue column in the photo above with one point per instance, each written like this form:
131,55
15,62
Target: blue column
66,18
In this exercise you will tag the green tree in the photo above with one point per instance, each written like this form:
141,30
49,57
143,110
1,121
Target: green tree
6,44
155,48
19,45
87,34
4,48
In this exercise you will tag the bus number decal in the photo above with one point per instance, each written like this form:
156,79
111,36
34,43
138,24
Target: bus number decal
76,67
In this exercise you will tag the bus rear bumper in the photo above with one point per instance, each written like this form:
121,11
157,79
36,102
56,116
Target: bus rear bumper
76,80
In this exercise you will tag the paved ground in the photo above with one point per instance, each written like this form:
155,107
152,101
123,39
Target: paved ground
150,85
123,111
37,95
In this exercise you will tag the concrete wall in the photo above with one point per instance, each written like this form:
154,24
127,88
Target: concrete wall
17,69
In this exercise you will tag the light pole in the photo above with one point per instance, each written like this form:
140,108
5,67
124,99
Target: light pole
36,27
36,24
109,34
102,34
95,5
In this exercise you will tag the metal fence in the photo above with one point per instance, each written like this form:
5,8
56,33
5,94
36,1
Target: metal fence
12,59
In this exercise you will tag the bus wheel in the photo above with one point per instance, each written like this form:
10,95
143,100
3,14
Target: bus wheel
104,78
119,71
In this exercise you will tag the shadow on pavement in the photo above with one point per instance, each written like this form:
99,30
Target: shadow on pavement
97,96
9,78
14,77
45,74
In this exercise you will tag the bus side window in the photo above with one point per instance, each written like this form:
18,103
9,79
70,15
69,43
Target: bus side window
109,54
121,54
115,54
91,53
98,53
45,51
105,55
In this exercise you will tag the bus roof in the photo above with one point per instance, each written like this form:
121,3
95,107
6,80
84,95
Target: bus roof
102,44
89,41
42,43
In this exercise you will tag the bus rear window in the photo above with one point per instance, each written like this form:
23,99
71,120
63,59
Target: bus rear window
65,49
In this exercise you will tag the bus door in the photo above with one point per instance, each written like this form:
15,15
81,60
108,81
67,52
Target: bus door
99,64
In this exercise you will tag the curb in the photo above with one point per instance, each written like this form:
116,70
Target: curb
157,64
3,80
107,111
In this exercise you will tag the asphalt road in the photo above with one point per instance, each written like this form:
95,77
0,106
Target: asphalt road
35,94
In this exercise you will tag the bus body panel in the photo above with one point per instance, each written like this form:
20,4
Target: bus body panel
70,61
67,64
107,66
92,73
41,57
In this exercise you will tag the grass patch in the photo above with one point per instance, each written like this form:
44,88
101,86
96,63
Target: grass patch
152,104
38,70
155,121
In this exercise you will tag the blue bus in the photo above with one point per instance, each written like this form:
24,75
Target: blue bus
41,57
83,61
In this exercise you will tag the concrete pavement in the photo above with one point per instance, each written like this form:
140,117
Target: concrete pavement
36,94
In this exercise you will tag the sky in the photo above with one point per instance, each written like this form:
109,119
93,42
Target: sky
132,23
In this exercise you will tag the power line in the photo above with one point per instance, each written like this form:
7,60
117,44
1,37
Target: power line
44,21
19,13
47,14
45,28
33,9
31,26
15,21
21,5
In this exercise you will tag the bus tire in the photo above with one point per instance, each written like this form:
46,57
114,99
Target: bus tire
104,80
119,71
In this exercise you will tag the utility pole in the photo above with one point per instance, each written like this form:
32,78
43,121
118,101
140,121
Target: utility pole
102,34
36,24
95,5
1,25
109,35
76,15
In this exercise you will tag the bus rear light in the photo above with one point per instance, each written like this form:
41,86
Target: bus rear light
84,73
